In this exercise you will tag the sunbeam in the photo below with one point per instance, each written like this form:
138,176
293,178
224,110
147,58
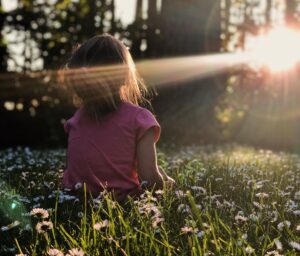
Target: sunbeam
157,72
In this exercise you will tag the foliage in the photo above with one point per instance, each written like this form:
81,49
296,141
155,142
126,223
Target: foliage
47,31
227,201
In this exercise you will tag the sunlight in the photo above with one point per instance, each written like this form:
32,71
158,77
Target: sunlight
278,50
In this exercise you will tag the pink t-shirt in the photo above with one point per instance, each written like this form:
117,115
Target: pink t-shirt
103,154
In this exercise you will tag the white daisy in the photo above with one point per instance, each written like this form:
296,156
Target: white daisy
75,252
283,224
55,252
295,245
43,226
39,212
249,249
100,225
278,244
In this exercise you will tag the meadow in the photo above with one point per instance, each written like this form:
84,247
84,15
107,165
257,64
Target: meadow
229,200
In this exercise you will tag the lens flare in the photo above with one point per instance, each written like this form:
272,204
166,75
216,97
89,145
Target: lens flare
278,50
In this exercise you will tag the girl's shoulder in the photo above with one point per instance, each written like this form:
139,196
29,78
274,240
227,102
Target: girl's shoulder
72,120
143,119
132,108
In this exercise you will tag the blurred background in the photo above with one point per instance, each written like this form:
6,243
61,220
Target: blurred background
231,66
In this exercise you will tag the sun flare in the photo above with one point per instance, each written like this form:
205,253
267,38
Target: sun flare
278,50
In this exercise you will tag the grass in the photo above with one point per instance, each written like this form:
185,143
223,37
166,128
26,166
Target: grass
228,201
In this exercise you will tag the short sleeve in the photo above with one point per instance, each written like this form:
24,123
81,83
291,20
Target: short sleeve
144,121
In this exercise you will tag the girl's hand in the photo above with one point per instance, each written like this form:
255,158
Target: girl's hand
169,182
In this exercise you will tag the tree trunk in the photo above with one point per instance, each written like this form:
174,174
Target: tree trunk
138,10
269,13
90,19
290,12
3,52
151,27
137,30
113,19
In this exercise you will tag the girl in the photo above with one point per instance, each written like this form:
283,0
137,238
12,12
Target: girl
111,139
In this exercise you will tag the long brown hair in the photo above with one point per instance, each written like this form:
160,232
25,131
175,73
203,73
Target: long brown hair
102,73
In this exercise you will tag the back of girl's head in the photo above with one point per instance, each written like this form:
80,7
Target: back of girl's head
102,73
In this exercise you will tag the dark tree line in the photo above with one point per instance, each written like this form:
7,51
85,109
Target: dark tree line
47,31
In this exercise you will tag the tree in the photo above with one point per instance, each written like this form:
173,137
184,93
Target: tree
3,48
136,30
51,29
290,12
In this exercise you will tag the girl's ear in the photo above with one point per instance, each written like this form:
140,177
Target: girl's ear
77,101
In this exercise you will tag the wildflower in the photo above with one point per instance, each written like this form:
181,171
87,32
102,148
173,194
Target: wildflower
31,184
214,197
78,185
55,252
258,205
38,198
297,212
278,244
199,190
50,184
200,234
149,208
199,206
274,215
240,218
43,226
298,228
10,226
80,214
179,193
297,195
218,204
291,205
262,195
273,253
244,236
206,226
290,187
21,254
283,224
156,221
295,245
249,250
187,230
126,237
75,252
144,184
110,239
159,192
28,227
183,208
253,217
112,203
97,203
284,194
39,212
226,203
99,225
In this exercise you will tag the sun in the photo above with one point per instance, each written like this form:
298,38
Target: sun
278,50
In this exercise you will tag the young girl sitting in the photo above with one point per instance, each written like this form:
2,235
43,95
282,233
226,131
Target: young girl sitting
111,139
